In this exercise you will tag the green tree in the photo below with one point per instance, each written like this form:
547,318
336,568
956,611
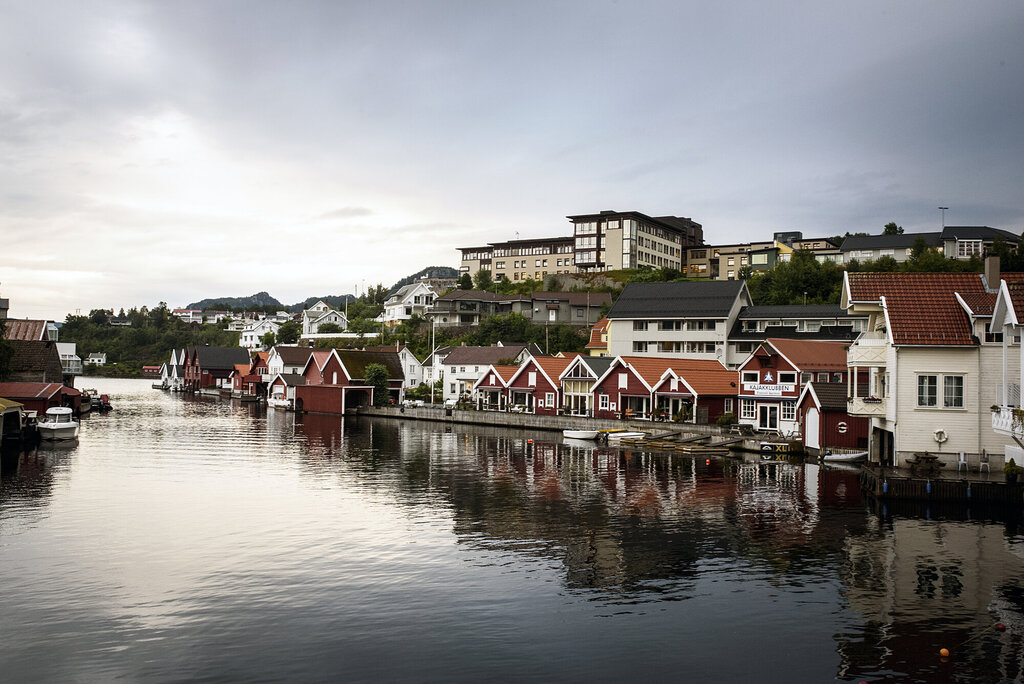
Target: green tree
465,282
802,278
482,278
377,378
289,332
892,229
329,328
268,340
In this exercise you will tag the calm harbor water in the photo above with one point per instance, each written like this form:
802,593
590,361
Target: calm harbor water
201,539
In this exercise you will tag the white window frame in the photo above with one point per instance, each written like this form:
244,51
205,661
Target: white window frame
549,399
788,411
602,402
748,409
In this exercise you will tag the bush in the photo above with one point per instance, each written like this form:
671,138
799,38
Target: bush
726,419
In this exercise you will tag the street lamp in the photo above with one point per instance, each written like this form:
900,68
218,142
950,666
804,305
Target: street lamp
943,210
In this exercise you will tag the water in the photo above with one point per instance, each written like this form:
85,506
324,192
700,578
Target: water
200,539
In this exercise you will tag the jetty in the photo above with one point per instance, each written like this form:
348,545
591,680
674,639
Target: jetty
895,484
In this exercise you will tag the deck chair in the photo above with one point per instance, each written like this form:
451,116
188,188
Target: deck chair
984,462
961,462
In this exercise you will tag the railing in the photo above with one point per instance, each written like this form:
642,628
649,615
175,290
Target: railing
868,350
867,406
72,367
1004,422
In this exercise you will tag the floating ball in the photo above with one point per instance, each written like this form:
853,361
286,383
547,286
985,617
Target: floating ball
944,652
1001,627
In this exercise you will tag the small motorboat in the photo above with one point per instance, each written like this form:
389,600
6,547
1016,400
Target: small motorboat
58,424
840,457
580,434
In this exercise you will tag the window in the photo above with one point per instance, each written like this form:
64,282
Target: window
747,409
789,410
787,378
623,380
639,326
727,405
806,378
759,259
953,391
749,376
730,275
579,312
822,377
992,336
640,347
549,399
927,390
602,402
670,325
968,248
532,378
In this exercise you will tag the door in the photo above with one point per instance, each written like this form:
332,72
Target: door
768,417
553,315
812,438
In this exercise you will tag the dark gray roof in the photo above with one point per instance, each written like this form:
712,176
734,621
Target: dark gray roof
293,356
221,358
831,395
293,379
889,241
794,311
598,364
977,233
712,299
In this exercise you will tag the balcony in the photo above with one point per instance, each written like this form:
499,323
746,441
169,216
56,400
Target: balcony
1008,421
870,349
867,407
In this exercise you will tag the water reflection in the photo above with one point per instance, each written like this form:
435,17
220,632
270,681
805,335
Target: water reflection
209,539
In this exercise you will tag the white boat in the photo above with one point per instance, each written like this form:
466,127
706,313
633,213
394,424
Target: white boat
580,434
852,457
625,434
58,424
277,402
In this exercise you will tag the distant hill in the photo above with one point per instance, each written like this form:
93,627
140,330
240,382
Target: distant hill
428,272
336,301
260,299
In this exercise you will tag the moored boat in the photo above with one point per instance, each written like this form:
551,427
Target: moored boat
58,424
840,457
625,434
580,434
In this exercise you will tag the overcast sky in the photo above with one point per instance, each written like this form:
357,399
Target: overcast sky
180,150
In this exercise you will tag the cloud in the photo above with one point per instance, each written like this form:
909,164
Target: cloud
344,213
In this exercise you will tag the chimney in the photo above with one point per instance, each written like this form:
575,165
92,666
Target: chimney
992,273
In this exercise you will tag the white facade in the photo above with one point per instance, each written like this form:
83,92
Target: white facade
320,314
408,301
252,336
100,358
460,378
69,358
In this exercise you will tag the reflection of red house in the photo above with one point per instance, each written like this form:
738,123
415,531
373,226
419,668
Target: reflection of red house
339,382
536,386
824,422
39,396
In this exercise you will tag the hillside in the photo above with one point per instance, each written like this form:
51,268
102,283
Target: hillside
428,272
258,300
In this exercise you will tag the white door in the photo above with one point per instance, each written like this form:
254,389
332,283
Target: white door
811,433
553,315
768,417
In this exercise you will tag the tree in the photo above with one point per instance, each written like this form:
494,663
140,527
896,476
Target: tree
329,328
289,332
268,340
377,378
465,282
892,229
802,278
482,278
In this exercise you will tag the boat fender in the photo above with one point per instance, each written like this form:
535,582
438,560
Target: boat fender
941,436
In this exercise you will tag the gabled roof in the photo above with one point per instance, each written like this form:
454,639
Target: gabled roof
504,373
711,299
33,390
25,329
702,377
828,396
978,233
921,308
978,303
651,369
355,362
293,356
221,358
905,240
595,335
809,355
550,366
318,357
482,356
290,379
596,365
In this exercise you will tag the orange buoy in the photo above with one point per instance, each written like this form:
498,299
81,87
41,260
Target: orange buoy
944,652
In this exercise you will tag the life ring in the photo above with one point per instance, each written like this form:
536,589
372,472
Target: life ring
941,436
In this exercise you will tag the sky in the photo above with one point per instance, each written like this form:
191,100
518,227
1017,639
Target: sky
173,151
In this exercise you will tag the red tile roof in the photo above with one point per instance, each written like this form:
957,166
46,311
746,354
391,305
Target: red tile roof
552,366
808,355
1015,286
708,380
651,368
595,335
980,303
922,307
25,329
33,390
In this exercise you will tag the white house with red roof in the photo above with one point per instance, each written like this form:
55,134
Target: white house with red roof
930,365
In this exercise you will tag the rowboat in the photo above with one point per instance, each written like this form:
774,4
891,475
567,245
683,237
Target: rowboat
580,434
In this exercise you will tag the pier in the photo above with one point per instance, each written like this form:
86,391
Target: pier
889,484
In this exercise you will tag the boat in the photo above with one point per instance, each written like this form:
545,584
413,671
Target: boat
278,402
625,434
839,457
580,434
58,424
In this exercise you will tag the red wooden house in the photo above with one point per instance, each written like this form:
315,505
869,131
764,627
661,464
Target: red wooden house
39,396
313,371
491,390
211,366
536,386
824,421
342,381
624,391
700,391
772,377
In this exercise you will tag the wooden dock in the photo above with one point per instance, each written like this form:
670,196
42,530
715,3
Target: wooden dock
891,484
